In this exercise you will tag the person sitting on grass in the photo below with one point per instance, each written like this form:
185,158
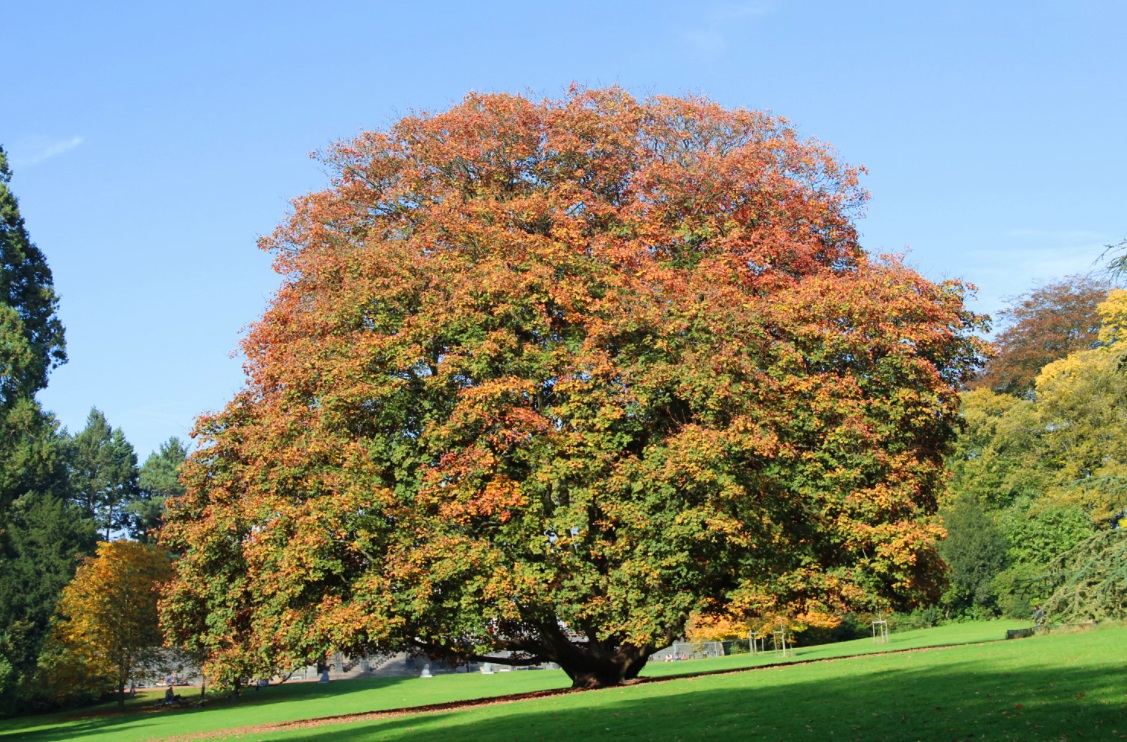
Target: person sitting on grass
170,697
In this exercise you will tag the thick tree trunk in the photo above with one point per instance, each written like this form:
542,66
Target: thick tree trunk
590,670
589,662
120,696
594,664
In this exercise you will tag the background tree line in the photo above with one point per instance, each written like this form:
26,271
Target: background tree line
59,492
1038,473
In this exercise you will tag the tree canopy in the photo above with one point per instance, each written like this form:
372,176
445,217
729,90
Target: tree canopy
975,551
1048,467
107,632
31,344
27,295
1089,582
1042,326
158,480
40,535
103,473
1066,443
43,541
549,377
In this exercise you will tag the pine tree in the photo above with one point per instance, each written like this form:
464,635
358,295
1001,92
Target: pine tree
159,480
41,536
43,542
27,292
103,473
31,344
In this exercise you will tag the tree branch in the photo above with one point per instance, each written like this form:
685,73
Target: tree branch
474,657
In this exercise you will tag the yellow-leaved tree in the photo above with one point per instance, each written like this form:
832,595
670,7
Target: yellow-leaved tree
1080,403
106,631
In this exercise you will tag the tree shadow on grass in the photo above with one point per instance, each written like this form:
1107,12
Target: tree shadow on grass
954,701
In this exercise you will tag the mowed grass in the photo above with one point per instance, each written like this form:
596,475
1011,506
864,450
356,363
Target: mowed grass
1060,686
1064,683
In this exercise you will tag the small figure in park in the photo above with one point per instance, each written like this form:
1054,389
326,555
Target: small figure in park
170,697
1039,617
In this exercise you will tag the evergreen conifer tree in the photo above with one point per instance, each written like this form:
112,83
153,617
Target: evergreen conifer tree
159,480
103,473
27,293
41,534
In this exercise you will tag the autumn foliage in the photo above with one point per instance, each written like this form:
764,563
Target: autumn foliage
549,377
107,632
1040,327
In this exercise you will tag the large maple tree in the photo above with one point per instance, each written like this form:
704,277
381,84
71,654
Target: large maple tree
543,379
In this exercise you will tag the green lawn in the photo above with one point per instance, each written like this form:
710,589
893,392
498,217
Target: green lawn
1060,679
1055,687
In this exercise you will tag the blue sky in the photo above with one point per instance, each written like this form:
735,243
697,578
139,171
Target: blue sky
152,143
